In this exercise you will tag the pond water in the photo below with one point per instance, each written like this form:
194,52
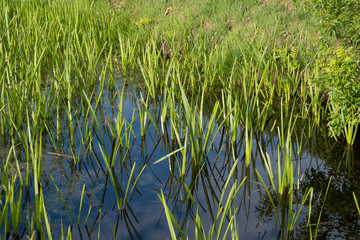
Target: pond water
316,160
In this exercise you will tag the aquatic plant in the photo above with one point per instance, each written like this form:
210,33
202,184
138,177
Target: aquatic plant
286,217
224,213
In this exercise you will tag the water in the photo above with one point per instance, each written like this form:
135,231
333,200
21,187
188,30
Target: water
315,161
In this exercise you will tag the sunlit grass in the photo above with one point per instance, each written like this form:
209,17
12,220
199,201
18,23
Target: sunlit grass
215,66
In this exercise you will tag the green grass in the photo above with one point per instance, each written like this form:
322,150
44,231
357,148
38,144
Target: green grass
250,59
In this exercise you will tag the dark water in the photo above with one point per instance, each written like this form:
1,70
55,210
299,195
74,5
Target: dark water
315,161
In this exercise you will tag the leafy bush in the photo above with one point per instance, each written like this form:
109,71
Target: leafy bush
340,79
340,18
339,62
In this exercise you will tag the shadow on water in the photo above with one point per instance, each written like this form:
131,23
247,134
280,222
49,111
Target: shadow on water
112,189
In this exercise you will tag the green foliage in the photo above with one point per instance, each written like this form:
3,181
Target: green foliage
340,18
339,78
339,64
57,57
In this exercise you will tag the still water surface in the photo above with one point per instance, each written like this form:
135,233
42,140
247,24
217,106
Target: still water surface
315,161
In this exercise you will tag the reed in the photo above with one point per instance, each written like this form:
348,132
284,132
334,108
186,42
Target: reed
201,133
224,213
128,53
356,203
351,129
286,216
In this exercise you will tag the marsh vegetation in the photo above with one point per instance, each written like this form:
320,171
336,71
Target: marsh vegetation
176,119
